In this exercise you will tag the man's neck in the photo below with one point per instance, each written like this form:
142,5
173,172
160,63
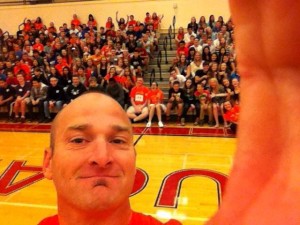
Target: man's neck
118,216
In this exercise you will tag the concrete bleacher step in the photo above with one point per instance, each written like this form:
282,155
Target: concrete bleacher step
161,41
164,67
169,52
162,35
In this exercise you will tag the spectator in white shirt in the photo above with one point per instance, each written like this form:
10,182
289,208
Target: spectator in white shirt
176,76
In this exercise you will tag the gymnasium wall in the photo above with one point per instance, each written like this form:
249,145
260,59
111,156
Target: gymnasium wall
12,16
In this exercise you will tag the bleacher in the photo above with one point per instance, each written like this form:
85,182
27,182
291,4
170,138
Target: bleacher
159,65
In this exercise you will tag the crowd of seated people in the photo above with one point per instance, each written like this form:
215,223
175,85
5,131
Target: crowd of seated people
204,75
47,67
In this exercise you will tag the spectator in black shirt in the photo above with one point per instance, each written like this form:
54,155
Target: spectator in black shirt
176,99
75,89
7,93
94,86
37,73
115,90
55,98
136,61
131,43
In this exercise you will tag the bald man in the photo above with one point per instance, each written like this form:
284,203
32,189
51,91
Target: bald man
91,160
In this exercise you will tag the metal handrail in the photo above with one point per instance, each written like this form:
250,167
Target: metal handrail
152,76
165,49
174,22
159,58
170,36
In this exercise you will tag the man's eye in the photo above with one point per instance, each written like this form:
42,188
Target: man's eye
77,140
118,141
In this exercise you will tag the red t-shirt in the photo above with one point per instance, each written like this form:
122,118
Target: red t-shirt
38,26
39,47
139,94
136,219
204,96
60,67
27,27
148,20
156,22
109,25
183,51
132,23
76,22
233,114
155,96
22,67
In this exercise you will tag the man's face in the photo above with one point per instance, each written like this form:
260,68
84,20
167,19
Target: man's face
176,87
2,84
75,81
93,83
20,78
93,160
199,88
53,81
139,81
173,74
36,84
227,106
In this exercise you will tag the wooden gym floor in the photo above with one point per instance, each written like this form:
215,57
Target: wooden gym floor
181,172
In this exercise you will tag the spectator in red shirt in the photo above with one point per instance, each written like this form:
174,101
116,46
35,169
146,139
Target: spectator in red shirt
109,24
75,21
27,25
155,103
52,29
60,65
182,49
22,68
156,20
38,45
38,24
11,79
138,98
132,21
92,21
231,115
148,19
179,37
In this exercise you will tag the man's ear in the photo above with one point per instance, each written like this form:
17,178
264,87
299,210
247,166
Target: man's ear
47,163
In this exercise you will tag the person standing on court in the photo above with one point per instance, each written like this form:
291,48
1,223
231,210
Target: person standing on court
93,164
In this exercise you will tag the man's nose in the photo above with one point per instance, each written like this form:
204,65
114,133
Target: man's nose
100,153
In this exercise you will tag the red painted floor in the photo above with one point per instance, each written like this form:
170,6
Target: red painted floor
137,130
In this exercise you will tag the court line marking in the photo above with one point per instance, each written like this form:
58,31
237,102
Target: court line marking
41,206
184,161
28,205
141,135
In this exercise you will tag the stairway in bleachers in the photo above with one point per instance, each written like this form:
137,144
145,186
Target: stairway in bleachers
166,63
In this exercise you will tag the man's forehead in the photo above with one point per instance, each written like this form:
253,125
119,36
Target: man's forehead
93,104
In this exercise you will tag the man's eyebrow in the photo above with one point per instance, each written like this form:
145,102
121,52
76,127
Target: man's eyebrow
121,128
79,127
83,127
